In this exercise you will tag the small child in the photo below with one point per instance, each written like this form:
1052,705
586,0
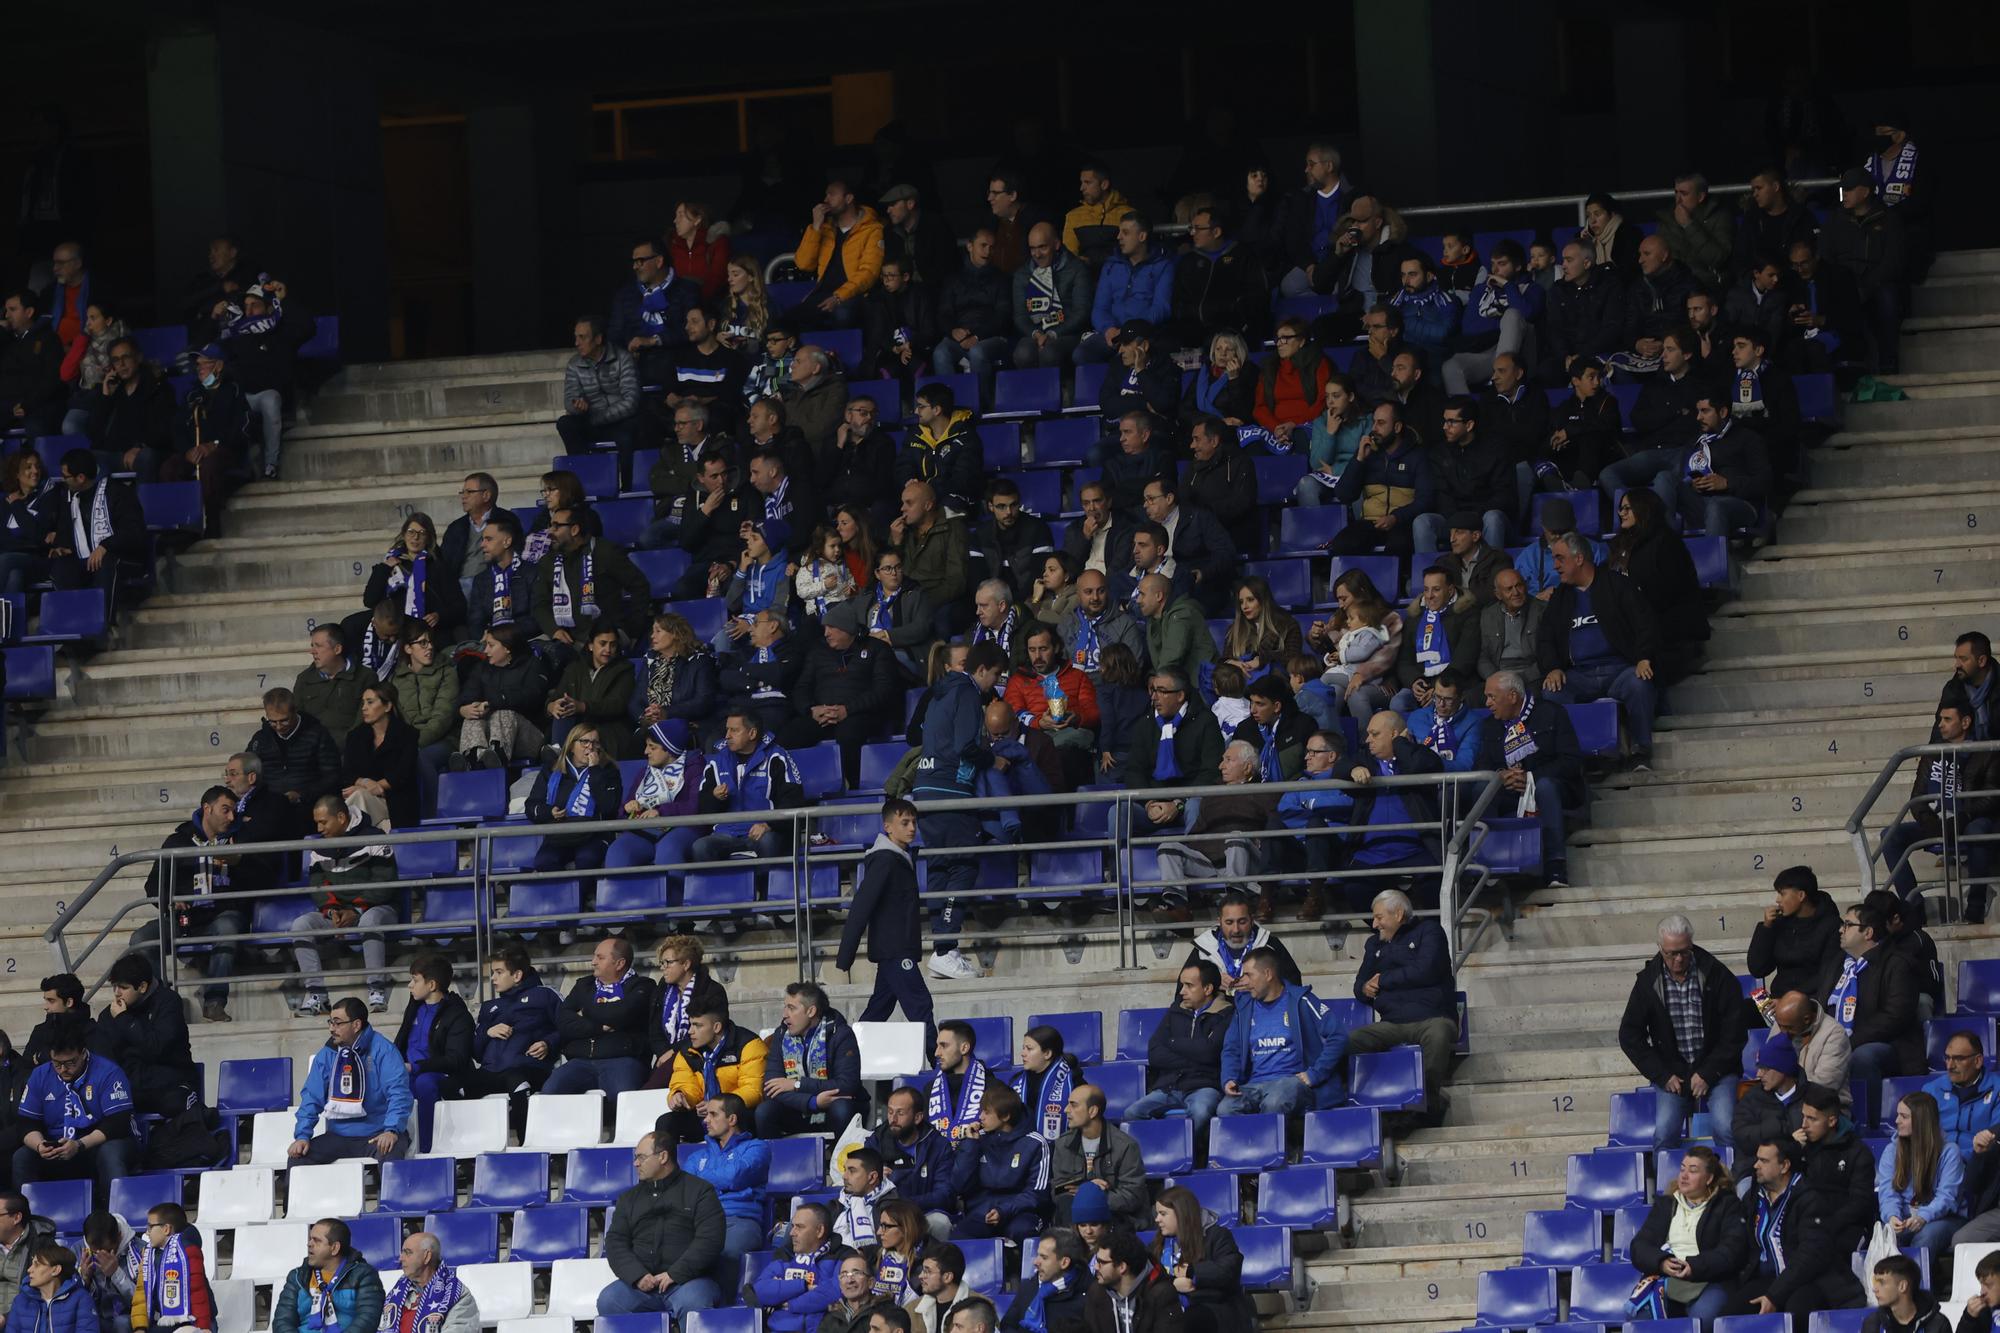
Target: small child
1459,272
1357,642
1316,700
1542,266
1231,707
758,584
169,1283
825,581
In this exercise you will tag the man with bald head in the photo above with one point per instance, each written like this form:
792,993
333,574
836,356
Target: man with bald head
1176,634
429,1298
1656,301
1392,752
934,549
1051,301
1824,1047
1096,622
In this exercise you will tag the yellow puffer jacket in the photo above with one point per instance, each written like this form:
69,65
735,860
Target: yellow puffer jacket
861,253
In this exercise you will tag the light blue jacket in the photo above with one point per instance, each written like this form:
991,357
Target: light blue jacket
738,1173
1963,1115
385,1091
1944,1200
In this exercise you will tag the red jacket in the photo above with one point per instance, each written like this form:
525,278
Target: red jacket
1286,397
1024,695
705,262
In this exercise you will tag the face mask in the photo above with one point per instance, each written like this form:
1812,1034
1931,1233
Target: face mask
208,381
1882,142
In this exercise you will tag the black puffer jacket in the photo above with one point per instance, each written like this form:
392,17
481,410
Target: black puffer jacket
1799,952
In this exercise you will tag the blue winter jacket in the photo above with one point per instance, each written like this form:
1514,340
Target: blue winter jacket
1431,316
738,1173
72,1310
769,781
1462,731
1325,1052
1415,968
385,1091
1963,1114
920,1171
357,1298
955,746
530,1009
795,1292
1126,291
1007,1170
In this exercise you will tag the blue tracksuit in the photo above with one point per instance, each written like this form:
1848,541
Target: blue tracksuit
1323,1047
1128,291
1008,1171
738,1173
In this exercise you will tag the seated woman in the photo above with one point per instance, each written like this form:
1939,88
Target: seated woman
1336,437
413,574
560,490
686,988
1919,1183
596,688
1648,551
901,1233
1121,702
1360,643
1202,1258
1054,593
427,697
27,505
579,787
671,785
1045,1080
1695,1238
501,703
1225,386
378,762
1261,636
679,680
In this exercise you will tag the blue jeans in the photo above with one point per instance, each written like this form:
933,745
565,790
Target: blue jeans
678,1300
1284,1095
1430,533
622,1074
1671,1108
269,405
1199,1104
983,358
651,849
740,1235
1713,1301
1935,1236
1587,684
952,875
427,1089
1871,1062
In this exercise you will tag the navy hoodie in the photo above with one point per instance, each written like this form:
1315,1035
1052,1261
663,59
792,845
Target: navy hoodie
531,1009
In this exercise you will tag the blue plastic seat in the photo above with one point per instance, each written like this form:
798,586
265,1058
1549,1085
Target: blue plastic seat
985,1265
718,888
1380,569
1277,477
1711,559
1677,1325
1165,1146
785,295
427,860
843,343
545,898
1601,1292
133,1196
1062,869
625,521
247,1086
1041,492
1082,1033
377,1237
704,615
31,672
596,473
1625,1224
878,761
964,388
1218,1192
550,1232
1836,1321
1938,1031
819,769
1818,400
1122,1082
1305,531
822,883
1753,1323
1290,580
993,1036
1510,846
1267,1257
1346,1136
797,1165
510,1180
1246,1142
1979,986
469,1238
1632,1118
1605,1180
1517,1297
1026,393
1563,1237
1064,441
516,852
64,1202
1596,726
420,1185
275,915
163,344
453,909
1135,1031
70,616
739,1319
1392,1080
1087,388
1000,445
663,569
1297,1196
171,506
652,1323
472,797
888,396
597,1175
324,345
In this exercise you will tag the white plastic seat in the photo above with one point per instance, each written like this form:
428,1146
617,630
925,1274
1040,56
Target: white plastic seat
561,1122
235,1198
264,1254
637,1112
890,1050
503,1291
537,1324
337,1189
235,1305
573,1287
271,1137
467,1129
1965,1258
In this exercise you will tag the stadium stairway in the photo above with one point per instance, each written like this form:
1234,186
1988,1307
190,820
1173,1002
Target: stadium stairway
1828,659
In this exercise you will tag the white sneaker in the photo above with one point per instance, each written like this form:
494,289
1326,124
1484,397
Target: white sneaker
953,966
378,1000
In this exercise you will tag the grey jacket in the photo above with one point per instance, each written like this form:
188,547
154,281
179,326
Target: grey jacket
1493,639
609,384
1118,626
1118,1165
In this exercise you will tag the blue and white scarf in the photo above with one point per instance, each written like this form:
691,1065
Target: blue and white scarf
431,1304
653,304
884,616
1846,993
1516,743
347,1089
98,533
674,1010
1167,764
322,1313
806,1057
1050,1111
378,653
503,593
1004,636
1089,641
1441,740
1701,458
1267,756
582,798
1035,1318
586,593
1892,184
169,1290
611,991
1433,646
959,1122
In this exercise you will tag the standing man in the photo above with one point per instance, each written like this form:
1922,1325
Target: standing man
1867,242
956,748
663,1238
335,1288
428,1297
1406,976
1683,1029
358,1079
842,249
885,906
649,314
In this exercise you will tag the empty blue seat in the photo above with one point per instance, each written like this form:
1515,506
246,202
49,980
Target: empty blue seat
785,295
1754,1323
545,898
1165,1146
1836,1321
270,915
596,473
31,672
1217,1191
1517,1297
1685,1325
704,615
993,1036
625,521
1392,1080
1026,393
1979,986
510,1180
663,569
819,769
163,344
1346,1136
1711,560
878,761
1267,1257
427,860
452,908
1303,531
597,1175
1122,1082
64,1202
471,797
377,1237
1087,387
739,1319
1041,492
132,1196
1277,477
1605,1180
1938,1031
1596,726
550,1232
1601,1292
324,345
1061,869
1297,1196
1246,1142
1625,1224
887,394
246,1086
822,881
1000,445
1632,1118
1135,1031
1818,400
171,506
70,616
718,888
843,343
468,1238
1064,441
1562,1236
1509,846
797,1165
1082,1033
1290,580
1307,306
420,1185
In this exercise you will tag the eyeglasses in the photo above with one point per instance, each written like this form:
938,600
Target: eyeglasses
1286,338
343,1022
1163,689
1967,1058
1321,750
585,745
637,260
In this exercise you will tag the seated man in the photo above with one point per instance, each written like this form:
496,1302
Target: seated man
957,1083
1285,1051
1054,697
586,580
1683,1030
765,677
1937,811
1449,726
1597,641
1385,488
300,758
334,1288
748,772
1406,975
847,691
601,399
997,620
1770,1109
738,1164
1968,1098
1001,1175
1821,1042
1325,807
819,1084
842,248
1197,543
429,1295
1501,312
604,1024
62,1006
76,1112
1875,999
1057,1291
359,1081
1663,417
1010,543
1051,301
1533,744
1220,819
663,1238
1176,744
1147,550
435,1039
98,525
1093,1150
1507,628
718,1057
515,1034
916,1159
1431,314
1439,629
356,888
800,1283
192,903
1184,1053
144,1032
1134,285
1147,381
1177,637
1720,480
1027,765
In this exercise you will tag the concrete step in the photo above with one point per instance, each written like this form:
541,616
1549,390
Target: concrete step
1598,860
352,510
482,448
481,394
1957,294
1390,1296
1947,517
1703,802
1784,745
149,683
271,566
1965,263
1774,582
1392,1219
395,374
1930,411
1959,350
1785,687
190,622
1890,629
177,737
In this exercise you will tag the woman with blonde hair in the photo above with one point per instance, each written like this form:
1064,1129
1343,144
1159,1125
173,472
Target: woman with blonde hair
685,987
580,786
678,679
1695,1239
746,305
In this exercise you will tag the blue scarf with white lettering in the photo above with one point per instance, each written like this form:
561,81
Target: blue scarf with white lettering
609,991
503,593
582,799
169,1294
1035,1318
1167,764
322,1314
962,1121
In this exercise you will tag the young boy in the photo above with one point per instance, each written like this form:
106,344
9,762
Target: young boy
170,1287
886,907
1587,427
1902,1304
1458,273
1315,698
1982,1310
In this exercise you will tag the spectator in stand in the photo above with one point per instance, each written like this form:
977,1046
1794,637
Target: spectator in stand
663,1238
696,252
1908,938
1440,630
1141,456
580,786
378,762
162,1283
32,396
933,547
649,314
1336,437
262,343
1825,309
601,397
1772,222
501,703
781,344
355,889
330,688
1875,999
1683,1029
300,758
818,1083
1586,315
856,468
1361,643
377,636
1698,229
1866,240
1406,977
261,815
1527,742
1097,623
1308,219
1411,387
1761,394
1050,303
1094,1151
1056,697
737,1164
336,1287
957,1088
766,673
1261,636
1771,1107
1586,435
1012,222
945,450
1655,558
1763,299
1822,1043
1501,312
1150,381
76,1111
1219,287
28,501
429,1291
143,1032
1222,480
1314,810
846,692
1655,301
684,984
189,908
1967,1106
918,1161
603,1023
1386,488
373,1122
1470,475
1200,1254
1285,1051
1536,563
747,773
1091,229
1597,641
974,310
1515,415
710,518
226,276
1897,1288
899,323
1010,544
1177,638
1134,286
1184,1052
802,1280
955,750
1362,268
1473,564
1605,237
1810,1209
1509,627
919,239
129,413
596,691
1972,679
99,526
1431,314
514,1036
1001,1174
584,579
1920,1179
1225,819
417,577
1197,544
1291,387
898,615
815,398
718,1057
1663,417
1694,1239
435,1039
707,374
1056,1293
1796,946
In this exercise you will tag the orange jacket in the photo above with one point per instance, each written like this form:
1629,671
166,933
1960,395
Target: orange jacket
861,252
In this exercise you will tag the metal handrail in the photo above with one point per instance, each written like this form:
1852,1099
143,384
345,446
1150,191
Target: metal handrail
1857,830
